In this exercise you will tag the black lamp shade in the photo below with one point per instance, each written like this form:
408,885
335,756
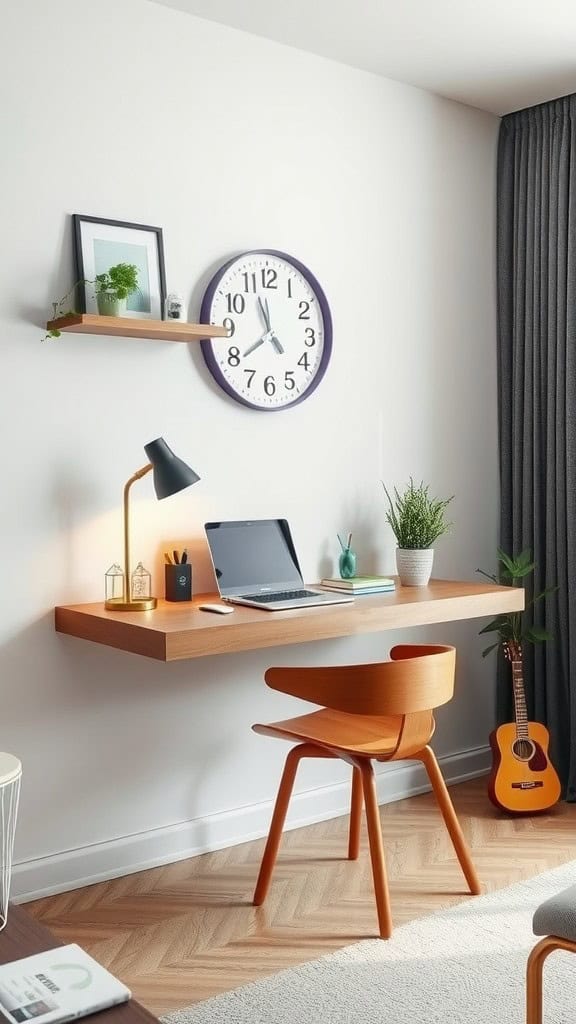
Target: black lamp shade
170,473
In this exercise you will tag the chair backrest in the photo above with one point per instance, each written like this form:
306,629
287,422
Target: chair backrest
418,678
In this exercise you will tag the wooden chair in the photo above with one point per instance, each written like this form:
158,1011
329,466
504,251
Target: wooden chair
556,920
380,712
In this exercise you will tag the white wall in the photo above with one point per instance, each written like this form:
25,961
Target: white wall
128,110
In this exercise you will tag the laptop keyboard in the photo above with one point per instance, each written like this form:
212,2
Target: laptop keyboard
280,595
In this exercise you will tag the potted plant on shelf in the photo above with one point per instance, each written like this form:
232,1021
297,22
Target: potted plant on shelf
417,521
111,288
114,287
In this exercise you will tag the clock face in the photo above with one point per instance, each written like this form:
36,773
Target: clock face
280,330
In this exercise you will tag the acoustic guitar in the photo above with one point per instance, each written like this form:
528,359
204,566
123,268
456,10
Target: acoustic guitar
523,780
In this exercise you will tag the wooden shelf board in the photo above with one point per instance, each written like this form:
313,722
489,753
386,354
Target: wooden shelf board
135,327
181,630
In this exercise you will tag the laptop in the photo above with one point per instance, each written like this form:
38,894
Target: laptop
255,563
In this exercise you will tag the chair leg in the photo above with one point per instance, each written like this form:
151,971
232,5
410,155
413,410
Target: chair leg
449,814
534,974
376,849
279,816
355,815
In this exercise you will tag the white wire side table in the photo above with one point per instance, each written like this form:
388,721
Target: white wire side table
10,777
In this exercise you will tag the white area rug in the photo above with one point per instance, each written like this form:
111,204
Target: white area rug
464,964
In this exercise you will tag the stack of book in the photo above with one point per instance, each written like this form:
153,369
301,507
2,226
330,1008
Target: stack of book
361,585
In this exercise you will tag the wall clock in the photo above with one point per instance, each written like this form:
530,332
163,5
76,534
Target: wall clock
280,330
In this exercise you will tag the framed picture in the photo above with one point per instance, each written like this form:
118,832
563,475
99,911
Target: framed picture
101,244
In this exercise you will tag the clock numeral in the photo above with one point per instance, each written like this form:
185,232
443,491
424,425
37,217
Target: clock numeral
304,307
304,361
269,277
249,281
289,283
229,324
289,382
269,385
251,375
233,356
236,303
310,337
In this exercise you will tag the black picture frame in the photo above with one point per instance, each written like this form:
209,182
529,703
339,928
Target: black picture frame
84,267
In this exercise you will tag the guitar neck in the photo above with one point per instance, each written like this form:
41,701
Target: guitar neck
520,712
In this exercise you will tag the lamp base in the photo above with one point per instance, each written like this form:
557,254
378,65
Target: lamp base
115,604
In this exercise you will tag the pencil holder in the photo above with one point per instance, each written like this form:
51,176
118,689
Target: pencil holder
178,581
347,564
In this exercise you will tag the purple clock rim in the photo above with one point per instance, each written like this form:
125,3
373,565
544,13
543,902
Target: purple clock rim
206,343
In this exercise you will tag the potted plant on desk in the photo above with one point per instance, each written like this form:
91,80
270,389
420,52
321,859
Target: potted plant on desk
417,521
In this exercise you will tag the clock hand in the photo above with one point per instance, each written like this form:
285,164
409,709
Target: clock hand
265,310
265,337
265,313
254,346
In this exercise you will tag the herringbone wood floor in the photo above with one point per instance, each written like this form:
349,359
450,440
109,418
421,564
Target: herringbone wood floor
181,933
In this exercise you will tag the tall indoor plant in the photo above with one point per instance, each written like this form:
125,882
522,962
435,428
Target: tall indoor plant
512,629
417,521
523,780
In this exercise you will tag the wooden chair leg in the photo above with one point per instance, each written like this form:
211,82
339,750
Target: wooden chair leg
427,756
279,816
534,974
355,815
376,849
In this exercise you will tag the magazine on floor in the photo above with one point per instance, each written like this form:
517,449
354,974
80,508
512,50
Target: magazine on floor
57,985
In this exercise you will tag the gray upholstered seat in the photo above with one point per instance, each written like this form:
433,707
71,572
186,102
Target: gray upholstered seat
557,916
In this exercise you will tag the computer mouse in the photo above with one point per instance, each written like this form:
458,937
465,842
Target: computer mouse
220,609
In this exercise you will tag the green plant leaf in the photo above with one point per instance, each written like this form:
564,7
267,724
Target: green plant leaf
515,568
496,624
537,634
539,597
488,575
488,650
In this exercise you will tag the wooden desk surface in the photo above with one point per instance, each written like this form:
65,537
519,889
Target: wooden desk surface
23,936
180,630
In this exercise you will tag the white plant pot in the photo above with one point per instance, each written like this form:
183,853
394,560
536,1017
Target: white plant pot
110,305
414,566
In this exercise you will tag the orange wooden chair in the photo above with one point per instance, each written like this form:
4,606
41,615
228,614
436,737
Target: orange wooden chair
380,712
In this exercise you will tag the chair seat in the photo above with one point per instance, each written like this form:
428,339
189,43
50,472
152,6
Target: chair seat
557,916
371,735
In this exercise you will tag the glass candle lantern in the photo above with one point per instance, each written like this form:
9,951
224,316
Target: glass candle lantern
174,308
114,583
141,584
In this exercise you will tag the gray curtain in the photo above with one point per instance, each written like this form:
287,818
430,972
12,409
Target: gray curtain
537,399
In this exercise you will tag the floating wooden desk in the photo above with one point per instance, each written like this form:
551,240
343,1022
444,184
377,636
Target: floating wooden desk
179,630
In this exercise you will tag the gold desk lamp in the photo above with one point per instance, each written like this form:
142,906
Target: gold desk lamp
171,475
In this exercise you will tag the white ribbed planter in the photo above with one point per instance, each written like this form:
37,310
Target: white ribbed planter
414,566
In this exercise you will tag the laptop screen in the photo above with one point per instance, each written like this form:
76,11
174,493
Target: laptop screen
253,556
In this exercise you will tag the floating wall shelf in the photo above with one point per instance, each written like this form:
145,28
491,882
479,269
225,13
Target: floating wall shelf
132,327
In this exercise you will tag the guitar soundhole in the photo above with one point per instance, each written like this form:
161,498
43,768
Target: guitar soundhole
524,750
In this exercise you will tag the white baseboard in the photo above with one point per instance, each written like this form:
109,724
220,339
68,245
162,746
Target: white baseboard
72,869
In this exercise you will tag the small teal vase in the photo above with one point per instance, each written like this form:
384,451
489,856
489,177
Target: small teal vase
347,564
